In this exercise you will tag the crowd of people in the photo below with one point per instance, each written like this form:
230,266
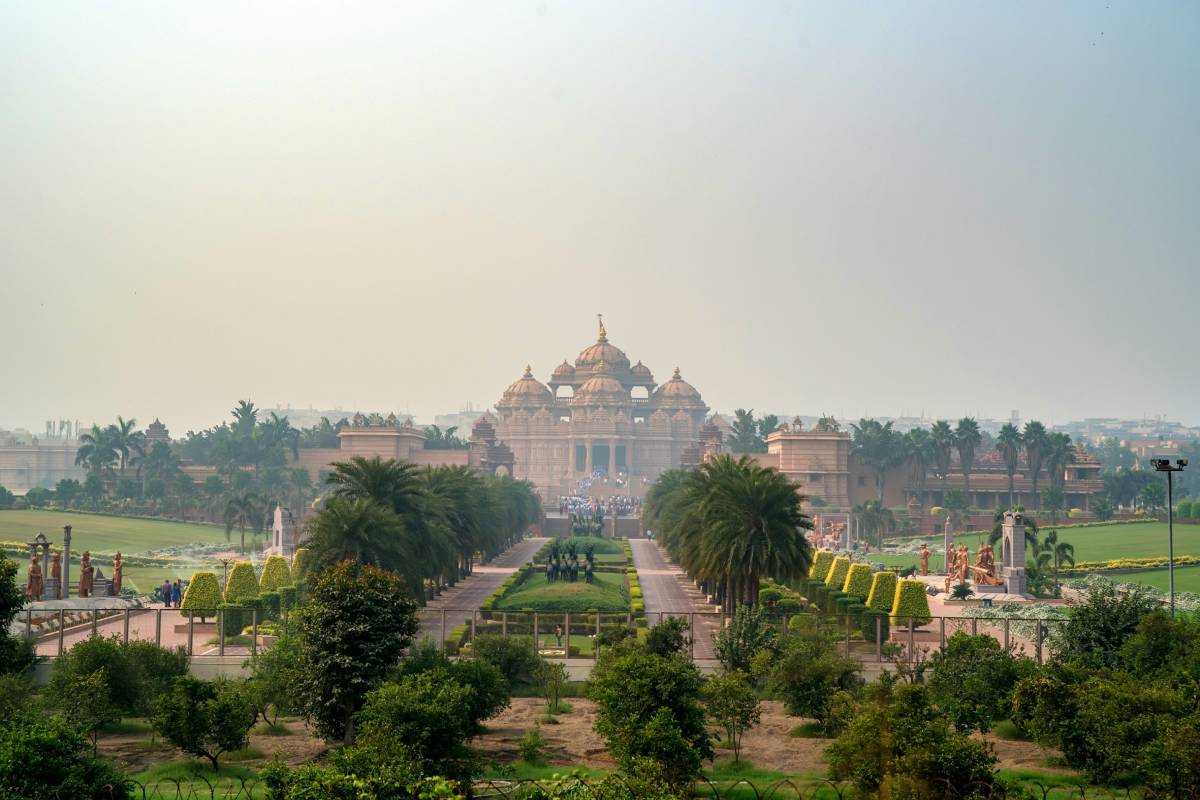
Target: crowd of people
596,509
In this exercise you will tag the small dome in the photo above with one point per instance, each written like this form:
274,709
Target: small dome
527,391
678,393
641,373
601,389
564,372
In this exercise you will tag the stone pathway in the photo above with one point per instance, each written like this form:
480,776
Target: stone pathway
668,592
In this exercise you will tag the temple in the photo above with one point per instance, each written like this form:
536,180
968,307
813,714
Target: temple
598,415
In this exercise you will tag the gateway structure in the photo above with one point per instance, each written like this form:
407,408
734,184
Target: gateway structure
598,415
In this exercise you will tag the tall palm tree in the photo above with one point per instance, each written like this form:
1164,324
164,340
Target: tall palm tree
127,442
1059,453
361,530
966,438
243,510
879,446
941,437
1008,444
1035,441
96,450
301,484
918,447
874,518
1060,552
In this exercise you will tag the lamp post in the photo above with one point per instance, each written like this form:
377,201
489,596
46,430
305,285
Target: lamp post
1165,465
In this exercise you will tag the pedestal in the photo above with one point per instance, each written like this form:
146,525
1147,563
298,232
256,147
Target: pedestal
50,590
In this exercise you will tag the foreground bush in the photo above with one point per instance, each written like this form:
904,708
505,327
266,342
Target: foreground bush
136,672
514,656
46,757
972,680
809,673
205,718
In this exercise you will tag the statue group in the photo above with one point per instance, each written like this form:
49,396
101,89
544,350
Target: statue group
959,568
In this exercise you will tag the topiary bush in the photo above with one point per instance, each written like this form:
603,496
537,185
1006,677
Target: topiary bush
837,572
821,564
203,595
867,624
858,581
883,592
242,583
275,574
300,564
233,618
911,603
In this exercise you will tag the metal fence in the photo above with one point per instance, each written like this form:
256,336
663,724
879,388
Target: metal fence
199,788
576,635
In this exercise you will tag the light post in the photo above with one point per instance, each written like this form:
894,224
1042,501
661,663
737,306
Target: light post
1165,465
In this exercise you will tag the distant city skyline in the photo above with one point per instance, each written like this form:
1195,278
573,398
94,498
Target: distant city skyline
857,209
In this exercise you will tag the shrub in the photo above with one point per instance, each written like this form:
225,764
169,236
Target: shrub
288,597
300,564
353,628
233,619
274,672
732,704
972,680
821,564
270,605
747,633
868,621
837,572
1097,627
136,672
1184,509
46,757
203,595
770,596
514,656
809,671
206,719
531,744
242,583
275,574
911,604
858,581
961,591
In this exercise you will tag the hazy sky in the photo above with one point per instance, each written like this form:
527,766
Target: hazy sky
843,207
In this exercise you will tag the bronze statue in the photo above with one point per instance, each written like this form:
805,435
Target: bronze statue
116,576
925,552
56,570
34,586
86,571
964,562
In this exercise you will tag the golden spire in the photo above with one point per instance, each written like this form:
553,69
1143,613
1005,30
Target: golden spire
603,333
528,371
677,372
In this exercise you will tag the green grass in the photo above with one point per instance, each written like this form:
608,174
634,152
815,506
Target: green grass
126,726
199,775
607,551
1187,579
98,532
606,593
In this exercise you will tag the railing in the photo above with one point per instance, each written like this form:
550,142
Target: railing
554,634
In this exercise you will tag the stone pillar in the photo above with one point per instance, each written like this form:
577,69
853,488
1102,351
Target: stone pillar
948,543
571,455
1012,559
66,563
612,458
588,463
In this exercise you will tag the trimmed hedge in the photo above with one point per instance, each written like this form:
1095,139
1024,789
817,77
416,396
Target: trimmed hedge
275,574
242,583
234,618
911,603
203,595
883,592
858,581
837,572
867,624
821,564
300,563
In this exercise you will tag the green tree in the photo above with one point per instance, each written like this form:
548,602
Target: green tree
67,491
1113,455
438,439
358,530
205,718
809,672
967,439
972,680
96,451
648,707
16,653
731,703
1059,454
87,702
1097,627
744,433
552,677
1153,496
356,623
918,447
748,633
47,757
243,511
875,519
1036,442
274,675
879,447
1008,445
941,437
1103,507
1060,553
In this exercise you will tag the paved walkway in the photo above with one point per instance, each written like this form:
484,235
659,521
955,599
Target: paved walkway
474,589
667,591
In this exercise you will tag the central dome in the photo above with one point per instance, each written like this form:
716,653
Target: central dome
602,389
602,351
526,391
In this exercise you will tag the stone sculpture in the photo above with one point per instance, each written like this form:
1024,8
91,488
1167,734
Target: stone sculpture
925,553
116,576
34,586
86,574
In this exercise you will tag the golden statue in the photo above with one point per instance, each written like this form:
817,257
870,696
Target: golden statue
34,587
86,571
116,576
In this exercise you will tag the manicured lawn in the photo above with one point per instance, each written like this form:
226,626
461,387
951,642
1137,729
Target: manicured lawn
106,534
607,593
1187,579
607,551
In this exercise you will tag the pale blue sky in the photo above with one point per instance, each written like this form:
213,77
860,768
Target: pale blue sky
843,207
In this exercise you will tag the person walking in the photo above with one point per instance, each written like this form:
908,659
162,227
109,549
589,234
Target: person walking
558,634
166,592
177,594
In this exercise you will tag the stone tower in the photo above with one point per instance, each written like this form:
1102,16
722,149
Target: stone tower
1012,563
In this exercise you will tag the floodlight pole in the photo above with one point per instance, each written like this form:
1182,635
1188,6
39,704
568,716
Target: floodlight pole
1164,465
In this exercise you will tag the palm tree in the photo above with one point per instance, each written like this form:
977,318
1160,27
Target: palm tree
874,518
879,446
966,439
1008,444
361,530
96,450
918,446
243,510
1035,441
1061,553
1031,527
941,437
1059,453
301,483
126,441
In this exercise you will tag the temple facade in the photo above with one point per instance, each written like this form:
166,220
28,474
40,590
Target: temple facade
599,414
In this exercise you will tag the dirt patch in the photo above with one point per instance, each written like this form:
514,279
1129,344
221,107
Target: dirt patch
1025,755
136,752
